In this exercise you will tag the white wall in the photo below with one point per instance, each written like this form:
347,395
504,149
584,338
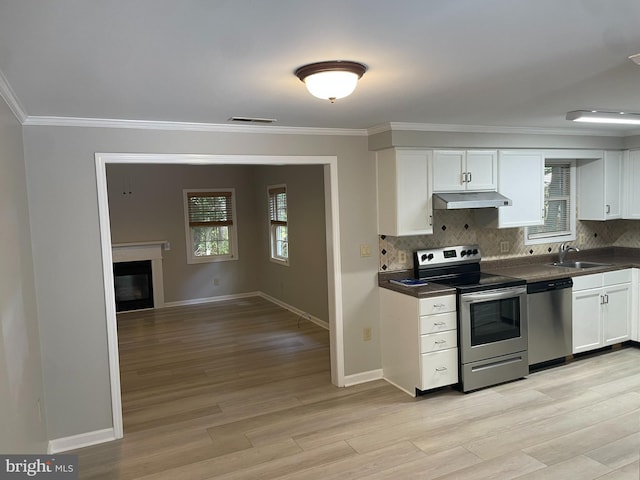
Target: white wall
21,428
66,247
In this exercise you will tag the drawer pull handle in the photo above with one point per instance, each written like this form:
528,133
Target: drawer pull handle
441,369
440,342
439,324
438,305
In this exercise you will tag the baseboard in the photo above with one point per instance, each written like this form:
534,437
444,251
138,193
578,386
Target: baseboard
198,301
321,323
364,377
82,440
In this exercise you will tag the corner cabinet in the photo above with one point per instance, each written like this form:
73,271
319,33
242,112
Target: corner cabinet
520,178
600,187
601,310
404,192
457,170
419,341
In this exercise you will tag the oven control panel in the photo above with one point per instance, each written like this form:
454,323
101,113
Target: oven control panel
447,256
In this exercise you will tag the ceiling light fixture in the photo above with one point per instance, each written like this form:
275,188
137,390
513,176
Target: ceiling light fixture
331,80
593,116
635,58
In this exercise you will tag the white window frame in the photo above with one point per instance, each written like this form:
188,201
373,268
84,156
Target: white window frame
540,238
273,256
233,228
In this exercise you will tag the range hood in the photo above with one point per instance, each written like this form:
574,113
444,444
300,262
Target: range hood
458,200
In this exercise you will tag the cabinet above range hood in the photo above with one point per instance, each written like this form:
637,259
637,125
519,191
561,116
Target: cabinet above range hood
459,200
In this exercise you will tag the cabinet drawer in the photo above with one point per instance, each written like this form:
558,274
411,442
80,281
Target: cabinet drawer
438,341
439,369
438,323
615,277
584,282
431,305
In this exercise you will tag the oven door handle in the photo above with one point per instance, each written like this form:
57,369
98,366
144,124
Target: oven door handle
494,294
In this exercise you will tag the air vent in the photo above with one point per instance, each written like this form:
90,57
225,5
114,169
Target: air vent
252,120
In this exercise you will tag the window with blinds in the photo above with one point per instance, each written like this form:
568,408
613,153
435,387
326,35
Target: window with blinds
559,204
210,226
279,228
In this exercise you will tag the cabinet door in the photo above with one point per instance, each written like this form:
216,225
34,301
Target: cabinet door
448,169
616,314
482,166
586,320
520,178
613,185
631,171
404,193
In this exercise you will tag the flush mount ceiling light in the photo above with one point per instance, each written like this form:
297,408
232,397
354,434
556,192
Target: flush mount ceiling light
331,80
593,116
635,58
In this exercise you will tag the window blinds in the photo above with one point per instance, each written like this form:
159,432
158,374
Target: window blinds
278,205
210,209
557,202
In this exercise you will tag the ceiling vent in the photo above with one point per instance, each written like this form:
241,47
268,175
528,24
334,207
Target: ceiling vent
252,120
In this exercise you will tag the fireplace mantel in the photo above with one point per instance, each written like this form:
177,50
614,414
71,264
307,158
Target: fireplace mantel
149,250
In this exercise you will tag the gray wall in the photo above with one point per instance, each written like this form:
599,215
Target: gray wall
66,246
151,208
154,211
303,283
21,388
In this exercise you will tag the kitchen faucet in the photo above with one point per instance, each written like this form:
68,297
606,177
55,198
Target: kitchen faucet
564,249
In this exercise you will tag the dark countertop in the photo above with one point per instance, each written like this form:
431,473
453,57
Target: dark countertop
532,269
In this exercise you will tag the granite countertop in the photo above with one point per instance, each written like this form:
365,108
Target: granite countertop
531,269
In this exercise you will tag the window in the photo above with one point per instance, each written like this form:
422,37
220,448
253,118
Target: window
559,205
210,225
279,230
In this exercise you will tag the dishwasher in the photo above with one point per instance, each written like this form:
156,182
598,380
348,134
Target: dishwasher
549,312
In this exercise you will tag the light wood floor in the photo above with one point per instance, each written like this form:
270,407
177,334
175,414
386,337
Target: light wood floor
239,390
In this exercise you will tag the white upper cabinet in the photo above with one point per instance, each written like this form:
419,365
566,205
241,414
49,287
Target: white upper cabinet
631,196
456,170
404,192
600,187
520,178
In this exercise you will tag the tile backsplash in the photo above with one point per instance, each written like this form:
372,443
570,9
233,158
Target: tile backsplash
459,227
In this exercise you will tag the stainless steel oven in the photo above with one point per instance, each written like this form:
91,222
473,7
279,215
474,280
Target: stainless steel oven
492,315
493,336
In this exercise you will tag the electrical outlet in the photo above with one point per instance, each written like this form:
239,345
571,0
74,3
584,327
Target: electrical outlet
504,247
581,239
366,334
216,281
402,256
365,250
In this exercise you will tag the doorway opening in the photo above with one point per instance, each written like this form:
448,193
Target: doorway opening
329,164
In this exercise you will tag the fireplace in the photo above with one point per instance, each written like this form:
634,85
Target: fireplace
137,275
133,285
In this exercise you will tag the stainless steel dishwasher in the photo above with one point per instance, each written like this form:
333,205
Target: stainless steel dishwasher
549,312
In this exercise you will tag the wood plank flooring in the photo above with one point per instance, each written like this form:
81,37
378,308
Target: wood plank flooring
241,390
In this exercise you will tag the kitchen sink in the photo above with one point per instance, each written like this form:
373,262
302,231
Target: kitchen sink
580,264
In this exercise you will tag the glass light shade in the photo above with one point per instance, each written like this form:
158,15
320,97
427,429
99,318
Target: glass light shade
331,85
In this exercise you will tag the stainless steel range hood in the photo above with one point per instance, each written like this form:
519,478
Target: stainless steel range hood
458,200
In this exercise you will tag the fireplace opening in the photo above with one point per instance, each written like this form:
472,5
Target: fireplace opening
133,285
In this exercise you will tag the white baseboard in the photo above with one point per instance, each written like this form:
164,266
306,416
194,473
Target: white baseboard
82,440
197,301
364,377
321,323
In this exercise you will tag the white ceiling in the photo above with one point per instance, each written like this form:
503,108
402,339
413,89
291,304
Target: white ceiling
506,63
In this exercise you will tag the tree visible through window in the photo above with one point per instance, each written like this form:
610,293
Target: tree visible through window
210,225
278,223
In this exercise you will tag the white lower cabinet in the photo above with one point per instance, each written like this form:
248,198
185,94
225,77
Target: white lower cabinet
419,340
601,310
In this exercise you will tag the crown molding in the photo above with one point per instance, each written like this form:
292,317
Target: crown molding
6,92
434,127
185,126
